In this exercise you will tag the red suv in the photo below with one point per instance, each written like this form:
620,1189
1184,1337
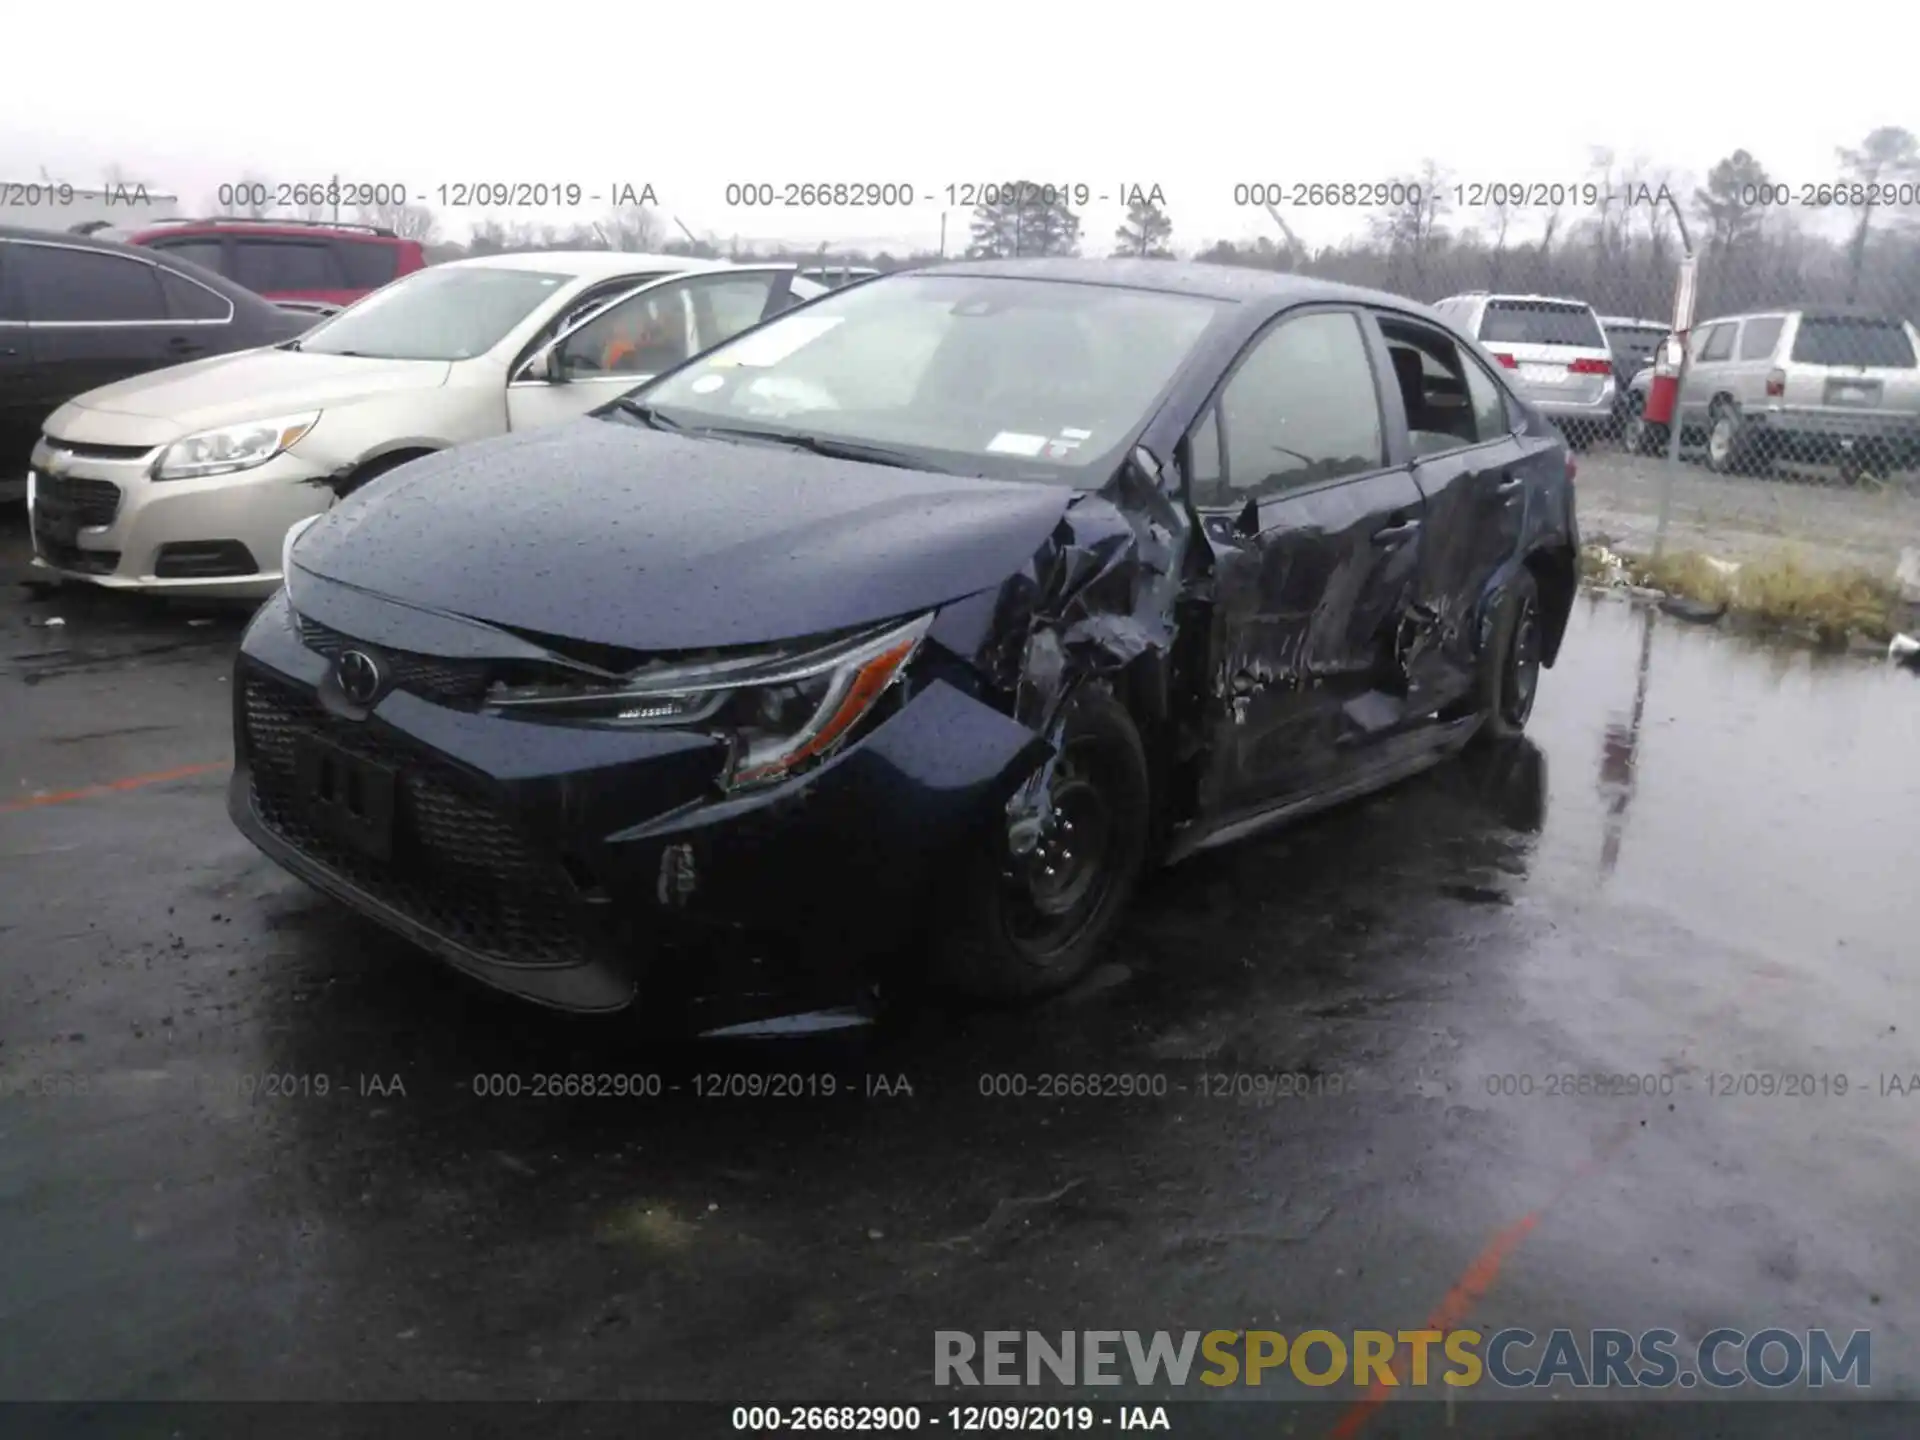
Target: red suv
311,263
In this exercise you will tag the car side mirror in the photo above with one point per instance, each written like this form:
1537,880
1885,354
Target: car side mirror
548,366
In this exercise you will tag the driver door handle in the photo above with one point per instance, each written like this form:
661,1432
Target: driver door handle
1508,484
1396,532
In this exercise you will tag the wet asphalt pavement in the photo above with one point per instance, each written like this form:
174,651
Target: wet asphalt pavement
1704,864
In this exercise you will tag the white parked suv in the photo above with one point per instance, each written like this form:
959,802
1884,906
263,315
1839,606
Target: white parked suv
1555,351
210,463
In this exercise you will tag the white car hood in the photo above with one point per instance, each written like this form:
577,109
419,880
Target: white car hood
163,405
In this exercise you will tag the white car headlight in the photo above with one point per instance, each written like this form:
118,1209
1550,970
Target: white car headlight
779,711
232,447
294,532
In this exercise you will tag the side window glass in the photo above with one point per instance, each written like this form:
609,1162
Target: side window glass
1760,336
723,307
1490,418
642,336
367,264
1301,408
188,301
207,253
62,285
1207,480
1437,390
270,266
1719,343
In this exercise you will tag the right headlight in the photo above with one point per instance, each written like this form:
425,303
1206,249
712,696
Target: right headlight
232,447
781,711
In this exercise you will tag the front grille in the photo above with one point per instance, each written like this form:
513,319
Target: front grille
81,450
90,502
432,677
460,867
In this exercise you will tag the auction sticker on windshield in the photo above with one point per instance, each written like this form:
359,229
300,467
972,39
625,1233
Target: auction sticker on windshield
1012,442
776,342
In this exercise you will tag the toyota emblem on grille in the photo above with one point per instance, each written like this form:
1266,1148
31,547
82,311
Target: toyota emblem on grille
360,676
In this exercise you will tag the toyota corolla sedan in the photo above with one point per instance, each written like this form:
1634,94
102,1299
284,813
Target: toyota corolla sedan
909,626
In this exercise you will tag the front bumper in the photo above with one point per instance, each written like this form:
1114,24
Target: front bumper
117,534
582,868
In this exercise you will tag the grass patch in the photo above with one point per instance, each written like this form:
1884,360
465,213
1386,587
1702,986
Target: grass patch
1781,591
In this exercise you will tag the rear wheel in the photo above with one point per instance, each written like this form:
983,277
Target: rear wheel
1510,666
1729,445
1024,926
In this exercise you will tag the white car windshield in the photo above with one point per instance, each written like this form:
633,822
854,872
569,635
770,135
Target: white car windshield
446,313
1041,377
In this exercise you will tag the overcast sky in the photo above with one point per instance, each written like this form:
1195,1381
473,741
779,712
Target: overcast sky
1191,97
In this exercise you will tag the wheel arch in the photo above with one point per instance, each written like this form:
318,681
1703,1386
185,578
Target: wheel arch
1556,575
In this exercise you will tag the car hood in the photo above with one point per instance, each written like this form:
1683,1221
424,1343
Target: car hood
163,405
607,533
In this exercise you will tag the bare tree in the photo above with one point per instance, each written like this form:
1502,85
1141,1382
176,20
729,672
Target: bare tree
635,228
1500,216
1413,229
1888,154
410,222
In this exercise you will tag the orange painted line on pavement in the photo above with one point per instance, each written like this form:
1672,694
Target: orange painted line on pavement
113,787
1474,1282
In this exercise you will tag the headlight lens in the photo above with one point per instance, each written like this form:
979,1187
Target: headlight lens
780,711
232,447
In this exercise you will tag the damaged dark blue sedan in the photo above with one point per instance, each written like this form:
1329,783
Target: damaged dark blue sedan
909,626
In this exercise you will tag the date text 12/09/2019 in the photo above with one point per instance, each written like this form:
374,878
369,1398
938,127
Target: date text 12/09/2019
957,195
1474,195
333,192
960,1419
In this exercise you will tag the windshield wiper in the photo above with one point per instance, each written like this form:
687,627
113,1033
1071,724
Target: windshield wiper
826,445
648,414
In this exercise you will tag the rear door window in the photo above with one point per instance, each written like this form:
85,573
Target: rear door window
1541,322
202,250
367,264
1760,336
65,286
1852,340
1719,342
273,266
187,300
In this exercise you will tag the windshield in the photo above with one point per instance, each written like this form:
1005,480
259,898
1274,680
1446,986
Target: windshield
1034,378
1540,322
1852,340
1635,342
447,313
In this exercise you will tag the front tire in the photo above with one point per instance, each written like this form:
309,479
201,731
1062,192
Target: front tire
1020,928
1509,677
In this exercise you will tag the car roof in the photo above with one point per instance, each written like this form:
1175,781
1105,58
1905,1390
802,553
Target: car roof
276,227
586,264
212,280
1174,277
1525,299
77,241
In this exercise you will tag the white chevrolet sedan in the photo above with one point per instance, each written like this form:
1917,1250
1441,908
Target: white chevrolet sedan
186,480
